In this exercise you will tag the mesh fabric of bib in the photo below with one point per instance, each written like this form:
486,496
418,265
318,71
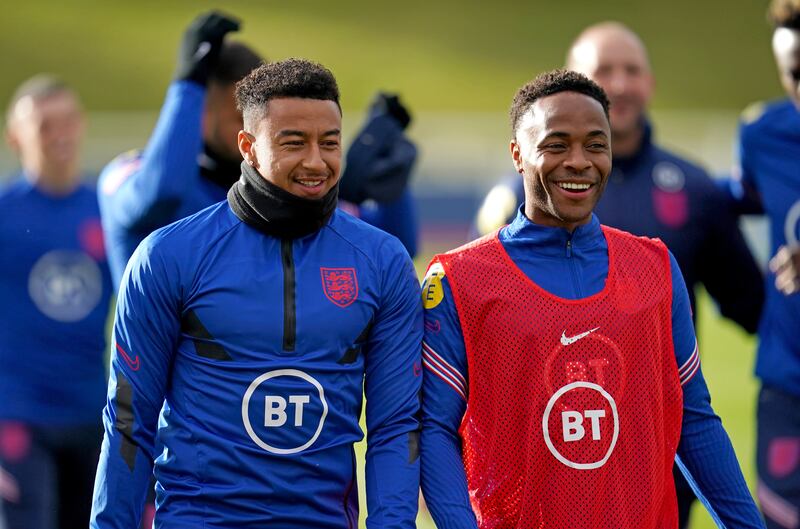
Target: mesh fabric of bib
574,407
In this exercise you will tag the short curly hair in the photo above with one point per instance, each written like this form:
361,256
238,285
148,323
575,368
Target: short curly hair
554,82
784,13
288,78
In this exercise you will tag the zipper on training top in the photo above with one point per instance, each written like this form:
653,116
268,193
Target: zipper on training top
289,303
576,285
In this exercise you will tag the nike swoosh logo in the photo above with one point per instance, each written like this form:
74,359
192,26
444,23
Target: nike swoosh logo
133,363
567,340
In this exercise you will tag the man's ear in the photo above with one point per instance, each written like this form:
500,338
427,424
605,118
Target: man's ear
247,149
516,155
11,139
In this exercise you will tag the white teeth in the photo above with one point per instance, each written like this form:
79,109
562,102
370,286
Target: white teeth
570,185
313,183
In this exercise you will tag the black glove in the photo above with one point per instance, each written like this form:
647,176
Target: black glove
381,158
390,104
201,45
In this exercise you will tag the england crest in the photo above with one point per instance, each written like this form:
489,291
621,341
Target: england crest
340,285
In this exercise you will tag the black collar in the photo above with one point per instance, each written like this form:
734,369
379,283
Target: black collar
276,212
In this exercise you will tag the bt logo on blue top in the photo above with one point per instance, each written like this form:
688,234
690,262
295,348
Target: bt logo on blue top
284,411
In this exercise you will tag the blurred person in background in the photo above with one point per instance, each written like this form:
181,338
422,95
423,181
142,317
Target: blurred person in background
654,192
55,291
192,159
768,182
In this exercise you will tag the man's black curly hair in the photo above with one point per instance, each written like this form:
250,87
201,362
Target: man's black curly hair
554,82
784,14
288,78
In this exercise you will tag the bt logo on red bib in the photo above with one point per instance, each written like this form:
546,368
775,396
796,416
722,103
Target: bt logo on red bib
581,425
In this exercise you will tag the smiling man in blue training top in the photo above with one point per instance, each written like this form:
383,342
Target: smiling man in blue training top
246,336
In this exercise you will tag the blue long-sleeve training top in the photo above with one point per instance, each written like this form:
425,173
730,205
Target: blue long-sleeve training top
245,356
769,182
55,290
570,266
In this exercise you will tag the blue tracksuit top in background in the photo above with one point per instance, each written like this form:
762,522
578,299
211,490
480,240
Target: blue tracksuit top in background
657,194
55,289
142,191
769,156
571,266
244,357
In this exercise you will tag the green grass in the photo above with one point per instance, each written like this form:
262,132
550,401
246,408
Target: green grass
727,356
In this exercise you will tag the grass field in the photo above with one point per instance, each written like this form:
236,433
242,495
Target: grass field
727,357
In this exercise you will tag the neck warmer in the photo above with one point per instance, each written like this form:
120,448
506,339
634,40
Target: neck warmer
276,212
217,169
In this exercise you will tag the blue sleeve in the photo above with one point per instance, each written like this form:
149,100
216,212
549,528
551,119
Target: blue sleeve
398,217
444,482
705,453
150,196
392,385
725,265
741,186
145,331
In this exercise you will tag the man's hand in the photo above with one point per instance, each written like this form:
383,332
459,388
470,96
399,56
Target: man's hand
380,159
786,267
201,46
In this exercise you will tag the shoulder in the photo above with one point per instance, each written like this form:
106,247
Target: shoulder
636,243
372,243
471,248
183,239
85,190
210,221
86,195
13,189
118,170
762,116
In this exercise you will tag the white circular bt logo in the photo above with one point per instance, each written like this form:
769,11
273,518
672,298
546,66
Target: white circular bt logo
288,411
582,431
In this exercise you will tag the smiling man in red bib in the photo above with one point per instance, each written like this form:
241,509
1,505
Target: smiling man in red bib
562,368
